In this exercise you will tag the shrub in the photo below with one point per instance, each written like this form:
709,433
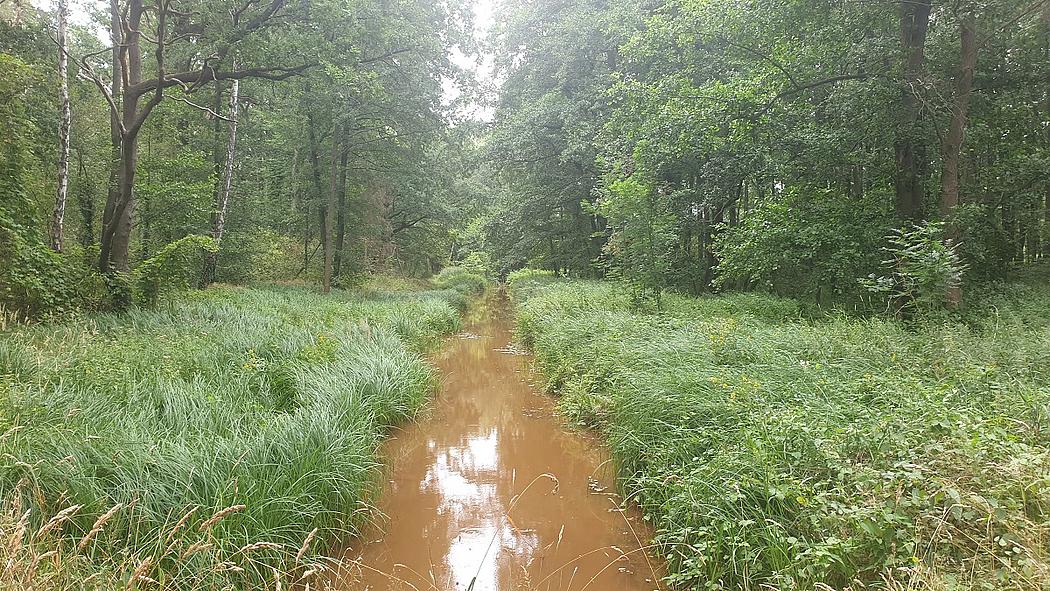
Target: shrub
173,268
461,280
805,243
921,272
479,263
34,280
527,274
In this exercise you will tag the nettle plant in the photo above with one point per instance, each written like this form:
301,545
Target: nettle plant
923,269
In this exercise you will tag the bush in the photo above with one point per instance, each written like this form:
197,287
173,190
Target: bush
527,274
173,268
461,280
34,281
479,263
258,255
921,272
806,243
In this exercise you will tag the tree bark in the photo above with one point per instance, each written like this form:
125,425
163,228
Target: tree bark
951,150
1045,25
116,223
85,199
953,140
318,192
116,85
340,220
909,147
59,215
330,211
222,198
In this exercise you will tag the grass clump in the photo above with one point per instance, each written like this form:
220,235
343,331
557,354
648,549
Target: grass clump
774,451
267,401
461,279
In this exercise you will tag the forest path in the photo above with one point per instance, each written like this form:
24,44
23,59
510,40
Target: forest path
491,491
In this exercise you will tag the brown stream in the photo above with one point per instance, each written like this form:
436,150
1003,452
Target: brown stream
491,492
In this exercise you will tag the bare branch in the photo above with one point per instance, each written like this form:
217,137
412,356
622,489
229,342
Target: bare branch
84,72
209,111
803,87
193,80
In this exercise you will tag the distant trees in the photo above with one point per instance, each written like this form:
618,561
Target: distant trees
784,140
204,119
558,58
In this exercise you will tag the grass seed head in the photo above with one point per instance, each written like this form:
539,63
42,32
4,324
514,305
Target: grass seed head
306,545
99,524
219,516
58,519
180,524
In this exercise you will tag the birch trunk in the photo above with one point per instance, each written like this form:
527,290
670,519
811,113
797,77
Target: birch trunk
59,215
222,199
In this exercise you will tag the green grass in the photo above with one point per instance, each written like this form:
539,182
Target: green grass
271,398
770,450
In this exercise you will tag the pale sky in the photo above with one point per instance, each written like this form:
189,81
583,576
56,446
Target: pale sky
482,66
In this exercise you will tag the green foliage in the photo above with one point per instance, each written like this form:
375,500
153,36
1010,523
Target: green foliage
258,255
478,263
642,234
804,243
763,143
558,58
275,399
527,274
461,279
36,283
175,267
922,270
774,452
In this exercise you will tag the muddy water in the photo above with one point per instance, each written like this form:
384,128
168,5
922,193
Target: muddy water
491,492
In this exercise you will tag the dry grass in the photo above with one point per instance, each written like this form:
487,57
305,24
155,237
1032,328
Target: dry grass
51,558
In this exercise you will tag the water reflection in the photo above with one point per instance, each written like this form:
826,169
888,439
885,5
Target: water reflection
459,512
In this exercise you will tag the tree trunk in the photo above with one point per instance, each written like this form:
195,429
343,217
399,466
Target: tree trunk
953,140
315,168
113,192
59,215
340,220
952,147
1045,25
116,223
909,148
330,211
222,199
86,201
129,113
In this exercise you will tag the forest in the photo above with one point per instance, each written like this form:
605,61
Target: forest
780,267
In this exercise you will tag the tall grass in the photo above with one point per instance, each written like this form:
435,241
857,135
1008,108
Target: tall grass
773,451
271,401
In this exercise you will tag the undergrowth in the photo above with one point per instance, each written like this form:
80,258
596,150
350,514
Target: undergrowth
772,450
226,439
